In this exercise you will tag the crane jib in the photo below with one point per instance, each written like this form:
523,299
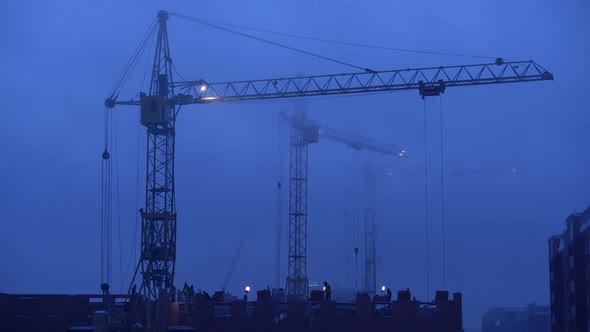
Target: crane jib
428,81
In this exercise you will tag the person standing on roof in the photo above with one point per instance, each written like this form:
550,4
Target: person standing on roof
191,292
328,291
173,293
185,292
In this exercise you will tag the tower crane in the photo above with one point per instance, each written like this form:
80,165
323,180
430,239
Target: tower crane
303,133
159,108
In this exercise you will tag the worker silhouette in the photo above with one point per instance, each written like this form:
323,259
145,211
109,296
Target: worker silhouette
185,292
328,291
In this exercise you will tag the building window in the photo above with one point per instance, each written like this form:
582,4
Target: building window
572,287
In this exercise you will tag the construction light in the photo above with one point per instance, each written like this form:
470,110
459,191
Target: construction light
383,288
203,88
247,289
324,288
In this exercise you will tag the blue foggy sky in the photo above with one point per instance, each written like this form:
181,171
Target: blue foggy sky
61,58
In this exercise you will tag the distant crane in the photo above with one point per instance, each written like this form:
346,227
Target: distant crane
161,105
369,177
303,133
456,173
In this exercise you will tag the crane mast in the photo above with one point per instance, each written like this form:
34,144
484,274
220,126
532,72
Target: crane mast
160,107
158,219
370,261
302,134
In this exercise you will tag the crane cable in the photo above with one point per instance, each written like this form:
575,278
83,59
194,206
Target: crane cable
442,190
139,50
122,79
442,199
106,271
426,205
102,209
355,194
280,163
114,144
145,70
133,251
105,213
188,18
396,49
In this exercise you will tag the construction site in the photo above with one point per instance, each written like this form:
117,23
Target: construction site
155,300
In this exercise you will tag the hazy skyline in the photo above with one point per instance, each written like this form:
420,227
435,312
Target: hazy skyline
61,59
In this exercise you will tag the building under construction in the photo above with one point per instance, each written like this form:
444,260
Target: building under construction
59,313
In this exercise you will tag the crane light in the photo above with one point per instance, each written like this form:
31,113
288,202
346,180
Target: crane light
203,88
383,288
324,288
247,289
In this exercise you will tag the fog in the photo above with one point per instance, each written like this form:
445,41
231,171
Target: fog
515,155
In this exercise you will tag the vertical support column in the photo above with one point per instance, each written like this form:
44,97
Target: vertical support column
297,282
158,238
158,227
370,266
370,273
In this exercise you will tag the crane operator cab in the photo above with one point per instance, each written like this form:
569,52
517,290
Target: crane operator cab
156,109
